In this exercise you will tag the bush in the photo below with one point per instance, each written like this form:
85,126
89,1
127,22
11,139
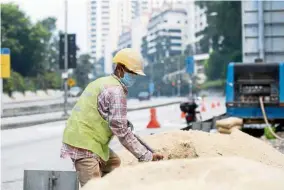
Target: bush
14,83
17,82
49,80
213,84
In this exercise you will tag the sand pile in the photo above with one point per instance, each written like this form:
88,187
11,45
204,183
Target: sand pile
197,174
192,144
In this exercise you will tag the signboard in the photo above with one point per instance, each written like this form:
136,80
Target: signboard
5,63
71,82
189,63
151,88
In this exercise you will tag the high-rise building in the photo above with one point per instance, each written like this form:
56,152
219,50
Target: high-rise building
107,19
98,26
166,35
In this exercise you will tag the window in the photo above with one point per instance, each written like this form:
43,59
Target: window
105,7
93,35
165,21
186,22
105,12
175,30
105,23
175,38
105,18
94,41
176,44
93,18
93,30
94,2
178,21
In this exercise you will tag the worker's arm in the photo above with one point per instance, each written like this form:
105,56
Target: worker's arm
118,123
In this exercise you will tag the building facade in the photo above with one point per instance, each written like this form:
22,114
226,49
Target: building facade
98,26
166,35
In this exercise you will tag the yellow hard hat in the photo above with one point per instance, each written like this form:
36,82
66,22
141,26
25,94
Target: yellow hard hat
131,59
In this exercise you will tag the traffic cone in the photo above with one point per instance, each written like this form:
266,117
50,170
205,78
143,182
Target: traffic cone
153,120
203,109
218,104
213,105
182,115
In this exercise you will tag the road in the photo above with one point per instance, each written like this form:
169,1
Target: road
38,147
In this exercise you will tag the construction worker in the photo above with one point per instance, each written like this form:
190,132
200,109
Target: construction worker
100,113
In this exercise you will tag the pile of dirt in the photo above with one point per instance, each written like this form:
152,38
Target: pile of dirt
198,174
192,144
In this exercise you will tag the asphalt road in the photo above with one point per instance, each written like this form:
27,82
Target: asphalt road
38,147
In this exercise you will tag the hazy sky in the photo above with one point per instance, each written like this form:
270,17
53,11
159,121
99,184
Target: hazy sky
77,15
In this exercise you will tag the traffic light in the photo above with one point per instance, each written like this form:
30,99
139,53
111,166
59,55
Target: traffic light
72,50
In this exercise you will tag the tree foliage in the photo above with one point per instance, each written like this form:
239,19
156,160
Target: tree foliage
34,50
84,67
223,35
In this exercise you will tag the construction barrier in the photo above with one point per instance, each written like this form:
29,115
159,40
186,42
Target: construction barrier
50,180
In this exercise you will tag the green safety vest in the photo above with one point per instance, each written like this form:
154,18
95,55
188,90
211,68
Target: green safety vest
85,127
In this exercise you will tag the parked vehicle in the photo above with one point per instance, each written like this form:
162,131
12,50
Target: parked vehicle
144,96
75,91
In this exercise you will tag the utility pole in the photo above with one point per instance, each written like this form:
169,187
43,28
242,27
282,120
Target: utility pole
65,60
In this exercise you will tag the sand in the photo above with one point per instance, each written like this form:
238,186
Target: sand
219,173
193,144
198,160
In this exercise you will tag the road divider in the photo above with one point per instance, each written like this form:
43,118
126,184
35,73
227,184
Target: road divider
28,120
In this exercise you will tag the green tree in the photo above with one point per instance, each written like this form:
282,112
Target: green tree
51,42
84,67
223,35
24,39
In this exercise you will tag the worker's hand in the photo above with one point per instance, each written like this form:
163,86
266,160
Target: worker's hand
157,157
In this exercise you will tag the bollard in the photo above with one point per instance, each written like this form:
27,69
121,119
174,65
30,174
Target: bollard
153,119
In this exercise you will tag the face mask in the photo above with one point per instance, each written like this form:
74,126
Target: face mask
128,79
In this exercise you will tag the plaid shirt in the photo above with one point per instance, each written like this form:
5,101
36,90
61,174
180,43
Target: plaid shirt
112,103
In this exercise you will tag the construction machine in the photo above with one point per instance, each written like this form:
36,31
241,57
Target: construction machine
255,88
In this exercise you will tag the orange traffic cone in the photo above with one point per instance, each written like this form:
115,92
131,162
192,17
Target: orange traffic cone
153,122
213,105
182,115
218,104
203,109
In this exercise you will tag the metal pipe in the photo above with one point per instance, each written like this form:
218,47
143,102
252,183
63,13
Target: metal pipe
260,30
66,59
